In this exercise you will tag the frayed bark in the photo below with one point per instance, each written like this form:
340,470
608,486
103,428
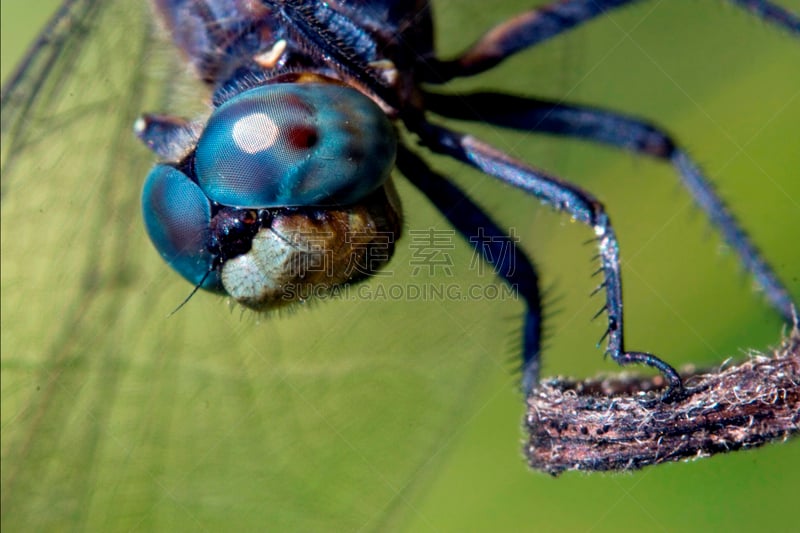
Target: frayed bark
619,424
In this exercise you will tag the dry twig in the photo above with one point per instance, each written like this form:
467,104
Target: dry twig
614,424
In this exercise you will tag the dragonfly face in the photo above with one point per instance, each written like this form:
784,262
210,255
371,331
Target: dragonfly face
291,146
271,159
117,416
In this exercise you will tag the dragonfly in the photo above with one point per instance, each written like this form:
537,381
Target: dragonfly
94,355
285,188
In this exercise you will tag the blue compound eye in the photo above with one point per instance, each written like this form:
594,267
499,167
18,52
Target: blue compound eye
177,216
295,144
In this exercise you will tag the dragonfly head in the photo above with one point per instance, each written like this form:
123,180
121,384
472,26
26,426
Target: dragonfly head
285,196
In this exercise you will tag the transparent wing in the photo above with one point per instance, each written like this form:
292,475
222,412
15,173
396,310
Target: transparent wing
385,407
117,417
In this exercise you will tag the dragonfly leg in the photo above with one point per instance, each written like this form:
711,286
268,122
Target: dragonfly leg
516,34
495,246
563,197
532,27
771,13
630,134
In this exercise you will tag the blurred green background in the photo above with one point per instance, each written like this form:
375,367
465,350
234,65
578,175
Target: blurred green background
400,415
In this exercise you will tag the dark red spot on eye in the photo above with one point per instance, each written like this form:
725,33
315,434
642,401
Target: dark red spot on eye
301,137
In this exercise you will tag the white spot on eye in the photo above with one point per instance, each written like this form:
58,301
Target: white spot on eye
255,133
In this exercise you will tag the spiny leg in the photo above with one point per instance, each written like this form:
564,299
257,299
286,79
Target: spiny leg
627,133
496,247
563,197
538,25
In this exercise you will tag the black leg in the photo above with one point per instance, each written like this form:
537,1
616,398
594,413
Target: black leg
537,25
496,247
523,31
771,13
563,197
631,134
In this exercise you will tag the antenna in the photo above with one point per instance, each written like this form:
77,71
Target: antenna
196,287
